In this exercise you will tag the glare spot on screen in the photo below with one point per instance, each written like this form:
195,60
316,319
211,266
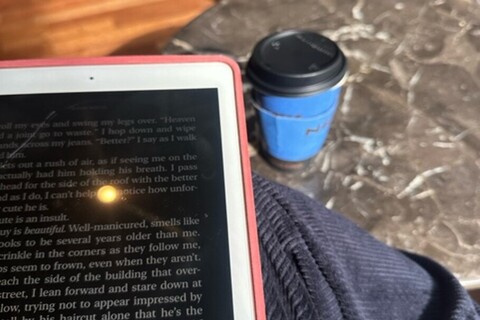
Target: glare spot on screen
107,194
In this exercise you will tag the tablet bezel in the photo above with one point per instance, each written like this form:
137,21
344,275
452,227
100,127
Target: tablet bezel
164,73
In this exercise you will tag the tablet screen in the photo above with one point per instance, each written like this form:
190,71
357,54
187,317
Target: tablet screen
113,204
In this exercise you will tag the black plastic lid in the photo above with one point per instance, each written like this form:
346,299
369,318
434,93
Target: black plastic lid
296,63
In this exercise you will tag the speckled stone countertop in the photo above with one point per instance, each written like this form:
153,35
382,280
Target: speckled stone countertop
403,156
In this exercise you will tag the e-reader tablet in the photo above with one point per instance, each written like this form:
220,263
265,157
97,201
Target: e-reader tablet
125,191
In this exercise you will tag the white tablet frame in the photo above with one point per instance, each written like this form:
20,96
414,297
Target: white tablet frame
165,76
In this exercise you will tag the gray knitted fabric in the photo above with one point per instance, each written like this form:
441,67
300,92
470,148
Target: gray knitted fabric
317,265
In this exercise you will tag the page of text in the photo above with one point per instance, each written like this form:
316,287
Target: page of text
112,207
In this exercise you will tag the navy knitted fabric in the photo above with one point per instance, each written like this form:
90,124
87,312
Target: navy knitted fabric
317,265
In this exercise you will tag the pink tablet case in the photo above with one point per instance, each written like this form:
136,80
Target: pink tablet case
247,182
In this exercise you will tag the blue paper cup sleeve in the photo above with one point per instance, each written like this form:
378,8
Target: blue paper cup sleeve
294,139
304,106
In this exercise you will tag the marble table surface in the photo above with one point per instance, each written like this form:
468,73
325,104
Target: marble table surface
403,156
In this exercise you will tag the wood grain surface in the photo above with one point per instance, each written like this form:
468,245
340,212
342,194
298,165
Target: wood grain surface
80,28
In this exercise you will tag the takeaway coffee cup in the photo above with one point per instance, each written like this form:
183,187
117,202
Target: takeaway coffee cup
296,77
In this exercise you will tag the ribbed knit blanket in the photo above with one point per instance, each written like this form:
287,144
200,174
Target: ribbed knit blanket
318,265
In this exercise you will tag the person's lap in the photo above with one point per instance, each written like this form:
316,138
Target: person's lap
318,265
